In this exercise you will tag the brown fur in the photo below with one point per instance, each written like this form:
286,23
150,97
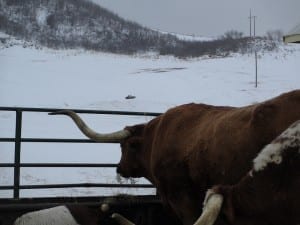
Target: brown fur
270,196
192,147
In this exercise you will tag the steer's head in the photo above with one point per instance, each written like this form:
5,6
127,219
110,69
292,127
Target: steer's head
132,158
130,138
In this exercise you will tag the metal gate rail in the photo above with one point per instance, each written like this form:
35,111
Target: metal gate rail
18,140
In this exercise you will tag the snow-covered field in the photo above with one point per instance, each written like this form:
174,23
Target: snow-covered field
89,80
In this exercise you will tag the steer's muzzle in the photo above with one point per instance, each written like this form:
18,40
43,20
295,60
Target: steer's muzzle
122,172
118,169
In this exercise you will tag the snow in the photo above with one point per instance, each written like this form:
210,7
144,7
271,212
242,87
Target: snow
189,37
89,80
4,35
41,16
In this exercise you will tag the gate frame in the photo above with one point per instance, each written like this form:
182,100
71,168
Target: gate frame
17,165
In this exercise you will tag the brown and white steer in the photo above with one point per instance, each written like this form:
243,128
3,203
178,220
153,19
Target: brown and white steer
268,195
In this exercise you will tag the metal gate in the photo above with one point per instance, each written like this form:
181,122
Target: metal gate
18,140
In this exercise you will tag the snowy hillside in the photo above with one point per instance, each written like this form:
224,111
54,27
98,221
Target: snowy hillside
81,24
82,79
77,24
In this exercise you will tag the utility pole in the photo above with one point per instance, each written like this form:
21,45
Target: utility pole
254,17
250,19
255,68
255,51
254,43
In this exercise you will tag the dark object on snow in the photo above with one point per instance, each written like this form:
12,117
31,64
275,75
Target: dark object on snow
130,97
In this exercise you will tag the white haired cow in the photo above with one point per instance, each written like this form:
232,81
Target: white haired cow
108,214
59,215
62,215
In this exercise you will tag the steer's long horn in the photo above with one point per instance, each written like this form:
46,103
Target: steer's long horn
121,219
212,206
109,137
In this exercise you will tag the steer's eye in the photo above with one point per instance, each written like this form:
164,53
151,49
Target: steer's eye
133,145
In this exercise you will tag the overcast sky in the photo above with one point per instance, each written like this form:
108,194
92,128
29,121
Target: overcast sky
208,17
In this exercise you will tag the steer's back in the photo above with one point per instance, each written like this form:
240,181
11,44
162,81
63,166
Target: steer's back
221,139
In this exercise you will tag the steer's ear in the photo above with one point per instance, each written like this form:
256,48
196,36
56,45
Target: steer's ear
136,130
263,113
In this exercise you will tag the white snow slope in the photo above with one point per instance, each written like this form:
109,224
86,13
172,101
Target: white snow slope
89,80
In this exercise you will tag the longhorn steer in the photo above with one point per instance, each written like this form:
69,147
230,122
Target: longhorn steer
192,147
268,194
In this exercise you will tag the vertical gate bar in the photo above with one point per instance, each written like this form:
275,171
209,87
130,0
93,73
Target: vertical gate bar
17,154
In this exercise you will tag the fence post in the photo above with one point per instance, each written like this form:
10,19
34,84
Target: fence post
17,154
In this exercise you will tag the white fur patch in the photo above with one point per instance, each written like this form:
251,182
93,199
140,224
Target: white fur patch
59,215
272,153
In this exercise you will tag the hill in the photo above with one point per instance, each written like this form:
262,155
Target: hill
77,24
69,24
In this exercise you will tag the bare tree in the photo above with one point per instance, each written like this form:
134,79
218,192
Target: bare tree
233,34
275,35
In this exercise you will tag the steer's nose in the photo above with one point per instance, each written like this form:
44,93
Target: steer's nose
118,168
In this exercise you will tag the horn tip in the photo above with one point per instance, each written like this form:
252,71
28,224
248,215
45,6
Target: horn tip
105,207
59,112
121,219
114,215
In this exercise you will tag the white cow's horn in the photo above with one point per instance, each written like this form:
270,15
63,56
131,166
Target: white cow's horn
212,206
121,219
